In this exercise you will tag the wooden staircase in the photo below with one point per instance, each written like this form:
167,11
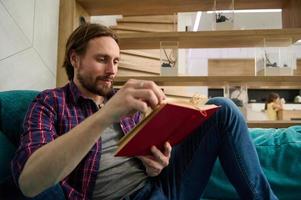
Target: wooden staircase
146,62
143,62
148,23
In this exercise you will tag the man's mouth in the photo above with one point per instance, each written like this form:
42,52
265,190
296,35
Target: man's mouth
106,80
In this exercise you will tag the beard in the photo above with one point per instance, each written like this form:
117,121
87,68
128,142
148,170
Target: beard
92,85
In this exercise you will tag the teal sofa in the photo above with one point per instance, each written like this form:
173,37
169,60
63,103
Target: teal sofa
13,106
279,151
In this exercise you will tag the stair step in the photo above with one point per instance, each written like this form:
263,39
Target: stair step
148,26
143,62
139,60
140,68
150,19
125,31
131,73
137,29
142,54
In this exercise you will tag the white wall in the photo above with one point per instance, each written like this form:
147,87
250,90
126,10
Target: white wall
28,38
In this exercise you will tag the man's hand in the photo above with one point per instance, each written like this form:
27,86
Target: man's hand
135,95
156,162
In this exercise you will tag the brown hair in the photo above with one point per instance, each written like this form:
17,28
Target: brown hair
271,97
78,42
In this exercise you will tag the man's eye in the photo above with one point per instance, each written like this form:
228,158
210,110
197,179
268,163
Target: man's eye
116,62
101,59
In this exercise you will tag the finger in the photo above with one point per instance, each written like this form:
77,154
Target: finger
167,149
135,83
161,158
150,163
157,90
153,171
136,104
147,96
143,84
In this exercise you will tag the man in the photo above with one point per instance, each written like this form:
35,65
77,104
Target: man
71,133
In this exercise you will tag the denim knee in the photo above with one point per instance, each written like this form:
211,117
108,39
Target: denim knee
228,110
222,101
55,192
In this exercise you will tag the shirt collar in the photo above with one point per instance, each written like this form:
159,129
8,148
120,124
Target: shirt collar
76,95
75,92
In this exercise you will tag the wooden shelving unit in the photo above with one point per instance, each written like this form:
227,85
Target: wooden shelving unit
71,10
217,81
157,7
211,39
273,124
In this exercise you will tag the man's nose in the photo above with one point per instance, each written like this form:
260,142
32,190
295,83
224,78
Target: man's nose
111,68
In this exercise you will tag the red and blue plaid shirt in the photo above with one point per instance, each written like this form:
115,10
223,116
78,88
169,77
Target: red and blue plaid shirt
52,114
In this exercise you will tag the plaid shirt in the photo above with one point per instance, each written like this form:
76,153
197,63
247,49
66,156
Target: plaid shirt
53,113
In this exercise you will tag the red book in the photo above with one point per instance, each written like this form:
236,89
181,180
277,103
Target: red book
170,122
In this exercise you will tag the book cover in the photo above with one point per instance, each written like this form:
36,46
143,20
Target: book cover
170,122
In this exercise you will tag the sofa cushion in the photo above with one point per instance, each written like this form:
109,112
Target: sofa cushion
279,153
13,106
6,154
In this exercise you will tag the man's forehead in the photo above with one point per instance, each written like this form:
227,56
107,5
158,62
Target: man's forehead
103,41
104,45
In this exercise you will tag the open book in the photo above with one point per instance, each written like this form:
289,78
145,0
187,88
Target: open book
170,122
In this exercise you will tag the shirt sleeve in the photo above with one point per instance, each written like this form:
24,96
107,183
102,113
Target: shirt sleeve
38,130
127,123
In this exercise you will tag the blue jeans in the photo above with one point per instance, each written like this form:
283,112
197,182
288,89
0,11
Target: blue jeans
53,193
225,136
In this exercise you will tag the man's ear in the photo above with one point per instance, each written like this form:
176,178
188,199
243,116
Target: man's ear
74,59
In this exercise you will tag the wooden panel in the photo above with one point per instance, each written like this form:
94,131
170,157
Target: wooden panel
118,32
153,54
163,19
231,67
142,28
217,81
143,68
209,39
134,62
68,21
138,7
66,26
291,14
289,114
260,73
140,61
150,27
297,71
130,73
272,124
80,12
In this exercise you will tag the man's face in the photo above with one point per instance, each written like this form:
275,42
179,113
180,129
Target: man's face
96,69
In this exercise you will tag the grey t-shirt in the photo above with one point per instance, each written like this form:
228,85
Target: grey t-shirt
117,176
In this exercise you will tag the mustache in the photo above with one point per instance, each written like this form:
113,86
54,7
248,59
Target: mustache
105,78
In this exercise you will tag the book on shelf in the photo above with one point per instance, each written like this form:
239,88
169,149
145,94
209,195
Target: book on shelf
170,121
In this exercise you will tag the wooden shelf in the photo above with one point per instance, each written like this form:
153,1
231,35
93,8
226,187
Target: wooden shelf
71,10
217,81
265,87
211,39
272,124
157,7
